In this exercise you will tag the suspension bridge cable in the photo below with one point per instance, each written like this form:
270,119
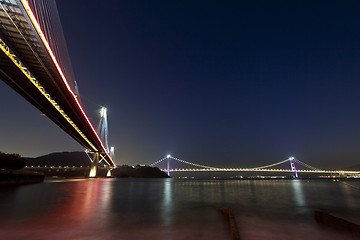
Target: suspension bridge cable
193,164
306,165
208,167
271,165
159,161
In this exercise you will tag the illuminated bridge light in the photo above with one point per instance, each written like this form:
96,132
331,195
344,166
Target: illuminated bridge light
103,112
258,169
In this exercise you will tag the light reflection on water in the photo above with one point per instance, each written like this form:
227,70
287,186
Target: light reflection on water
173,209
167,201
298,193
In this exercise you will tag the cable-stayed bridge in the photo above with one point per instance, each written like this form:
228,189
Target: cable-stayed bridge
291,161
35,63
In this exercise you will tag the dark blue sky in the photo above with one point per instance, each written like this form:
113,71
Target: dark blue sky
228,84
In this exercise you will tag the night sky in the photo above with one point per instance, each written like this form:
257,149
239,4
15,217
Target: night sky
220,83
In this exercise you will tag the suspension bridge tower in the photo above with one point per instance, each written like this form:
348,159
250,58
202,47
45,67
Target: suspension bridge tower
168,165
293,168
102,131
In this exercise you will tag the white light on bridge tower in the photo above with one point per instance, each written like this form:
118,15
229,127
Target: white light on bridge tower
103,127
112,153
168,164
293,168
103,112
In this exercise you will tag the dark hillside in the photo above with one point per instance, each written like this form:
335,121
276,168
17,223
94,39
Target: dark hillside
76,159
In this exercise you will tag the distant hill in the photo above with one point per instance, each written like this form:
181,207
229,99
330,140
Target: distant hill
76,159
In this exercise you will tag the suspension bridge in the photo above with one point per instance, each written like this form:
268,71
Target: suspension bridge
34,61
266,168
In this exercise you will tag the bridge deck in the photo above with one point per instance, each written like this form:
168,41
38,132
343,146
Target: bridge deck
20,35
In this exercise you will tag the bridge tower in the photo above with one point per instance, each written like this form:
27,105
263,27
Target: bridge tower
293,168
103,127
168,165
102,130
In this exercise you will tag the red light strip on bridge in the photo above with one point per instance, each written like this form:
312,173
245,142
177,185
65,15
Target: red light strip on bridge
47,45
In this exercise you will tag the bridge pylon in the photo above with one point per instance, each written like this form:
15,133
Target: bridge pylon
168,165
293,168
102,130
94,165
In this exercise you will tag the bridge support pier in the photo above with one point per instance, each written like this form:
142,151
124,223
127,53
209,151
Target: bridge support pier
94,165
108,174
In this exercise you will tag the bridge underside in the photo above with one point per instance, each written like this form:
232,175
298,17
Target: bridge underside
19,34
13,77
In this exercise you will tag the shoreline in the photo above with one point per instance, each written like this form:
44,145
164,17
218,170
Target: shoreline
19,177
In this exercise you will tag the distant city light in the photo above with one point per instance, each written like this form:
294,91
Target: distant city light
168,156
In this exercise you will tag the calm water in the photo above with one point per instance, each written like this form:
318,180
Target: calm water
174,209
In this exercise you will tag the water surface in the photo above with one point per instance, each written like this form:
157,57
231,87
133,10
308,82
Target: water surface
174,209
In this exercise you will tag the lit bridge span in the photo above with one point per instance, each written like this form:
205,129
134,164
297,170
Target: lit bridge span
35,63
267,168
